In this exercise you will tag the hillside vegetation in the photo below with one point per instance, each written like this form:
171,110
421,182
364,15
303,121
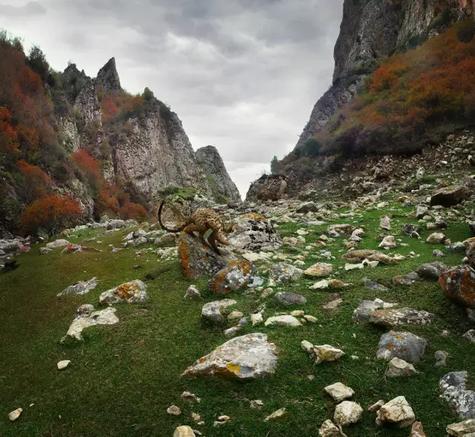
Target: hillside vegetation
412,99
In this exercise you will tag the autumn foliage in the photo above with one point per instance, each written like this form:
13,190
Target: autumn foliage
88,165
411,99
119,105
50,213
36,181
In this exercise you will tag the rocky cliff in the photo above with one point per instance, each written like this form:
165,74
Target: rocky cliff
145,148
217,177
372,30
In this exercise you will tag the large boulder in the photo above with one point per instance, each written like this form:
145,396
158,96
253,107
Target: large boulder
236,275
246,357
268,187
197,258
459,285
450,196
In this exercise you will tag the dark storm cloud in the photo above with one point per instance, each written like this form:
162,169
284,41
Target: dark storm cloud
30,8
241,74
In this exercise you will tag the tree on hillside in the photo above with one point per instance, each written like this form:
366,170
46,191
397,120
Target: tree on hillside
274,165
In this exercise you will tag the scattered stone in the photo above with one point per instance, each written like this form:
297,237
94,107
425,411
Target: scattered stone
310,319
436,253
367,307
246,357
440,358
339,392
417,430
385,223
256,404
421,211
173,410
390,317
79,288
404,345
325,352
359,255
85,320
130,292
333,304
276,414
15,414
222,420
453,386
184,431
319,270
57,244
284,272
215,312
388,242
283,320
188,396
192,293
459,285
289,298
470,335
462,429
436,238
408,279
329,429
257,319
376,406
373,285
396,412
431,271
397,368
320,285
347,413
61,365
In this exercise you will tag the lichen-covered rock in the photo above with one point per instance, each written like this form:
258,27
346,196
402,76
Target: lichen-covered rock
215,312
197,258
284,272
234,276
246,357
130,292
254,232
396,412
390,317
459,285
367,307
454,390
404,345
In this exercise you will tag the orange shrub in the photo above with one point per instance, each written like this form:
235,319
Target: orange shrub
131,210
88,165
119,104
50,213
37,182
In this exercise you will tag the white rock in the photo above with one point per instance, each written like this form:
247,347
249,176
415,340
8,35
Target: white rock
57,244
462,429
320,285
388,242
276,414
397,411
339,392
83,321
15,414
131,292
246,357
329,429
63,364
319,270
173,410
347,413
398,367
257,319
436,238
184,431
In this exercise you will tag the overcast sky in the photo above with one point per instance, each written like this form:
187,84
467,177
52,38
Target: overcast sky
243,75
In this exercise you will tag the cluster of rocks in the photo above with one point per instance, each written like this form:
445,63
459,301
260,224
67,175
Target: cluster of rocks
9,248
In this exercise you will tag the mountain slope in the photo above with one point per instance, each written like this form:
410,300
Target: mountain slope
88,141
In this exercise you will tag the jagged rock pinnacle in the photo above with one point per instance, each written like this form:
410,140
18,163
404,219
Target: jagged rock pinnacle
108,78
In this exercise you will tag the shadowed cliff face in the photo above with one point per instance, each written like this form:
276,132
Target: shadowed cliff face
372,30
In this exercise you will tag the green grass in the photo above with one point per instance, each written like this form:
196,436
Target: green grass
123,377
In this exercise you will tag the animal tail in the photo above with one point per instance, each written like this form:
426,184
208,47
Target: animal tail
159,215
220,237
